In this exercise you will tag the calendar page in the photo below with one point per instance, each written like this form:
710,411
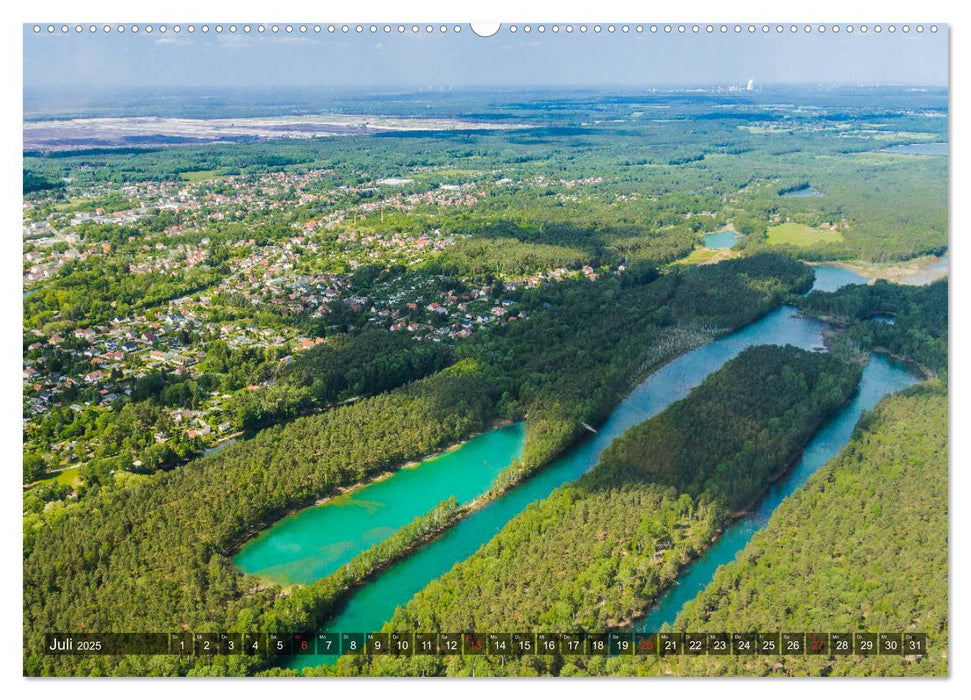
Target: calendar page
558,349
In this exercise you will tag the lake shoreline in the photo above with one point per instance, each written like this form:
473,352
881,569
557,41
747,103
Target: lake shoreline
236,545
493,492
896,273
413,464
834,427
751,507
477,504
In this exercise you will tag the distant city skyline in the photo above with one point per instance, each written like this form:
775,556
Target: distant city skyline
414,61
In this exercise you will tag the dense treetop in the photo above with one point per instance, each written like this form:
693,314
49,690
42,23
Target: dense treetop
594,555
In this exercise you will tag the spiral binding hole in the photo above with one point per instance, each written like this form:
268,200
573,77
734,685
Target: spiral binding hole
512,29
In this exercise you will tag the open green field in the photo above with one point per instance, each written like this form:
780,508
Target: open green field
69,477
199,175
705,256
800,235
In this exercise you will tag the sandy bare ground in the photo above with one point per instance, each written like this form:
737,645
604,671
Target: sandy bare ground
70,134
923,270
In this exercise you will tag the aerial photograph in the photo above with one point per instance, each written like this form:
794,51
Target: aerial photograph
563,350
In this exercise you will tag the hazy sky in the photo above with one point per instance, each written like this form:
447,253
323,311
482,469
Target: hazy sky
238,60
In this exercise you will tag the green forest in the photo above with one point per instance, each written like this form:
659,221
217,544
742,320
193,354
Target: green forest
596,553
863,547
342,368
155,552
906,322
218,335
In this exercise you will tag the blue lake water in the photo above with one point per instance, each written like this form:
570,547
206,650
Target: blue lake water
372,605
218,447
721,240
829,278
806,191
316,541
880,377
919,149
938,268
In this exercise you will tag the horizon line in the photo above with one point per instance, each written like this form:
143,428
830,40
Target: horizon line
425,87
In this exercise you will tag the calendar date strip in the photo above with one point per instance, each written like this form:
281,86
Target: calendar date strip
493,644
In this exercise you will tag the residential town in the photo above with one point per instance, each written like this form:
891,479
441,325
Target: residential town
271,266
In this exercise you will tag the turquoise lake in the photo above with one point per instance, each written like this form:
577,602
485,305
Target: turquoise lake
721,240
316,541
880,377
937,269
371,606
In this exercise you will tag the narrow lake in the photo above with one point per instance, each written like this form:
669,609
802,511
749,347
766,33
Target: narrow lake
935,270
880,377
829,278
919,149
318,540
371,606
218,447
